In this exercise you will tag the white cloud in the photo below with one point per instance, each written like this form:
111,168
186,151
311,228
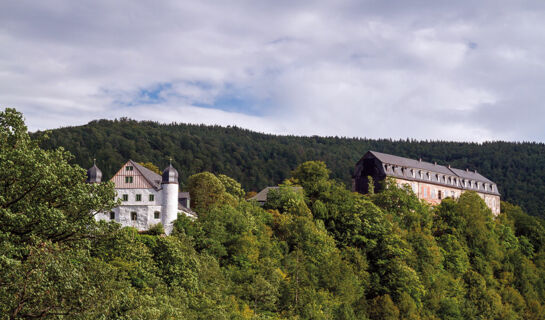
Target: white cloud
459,71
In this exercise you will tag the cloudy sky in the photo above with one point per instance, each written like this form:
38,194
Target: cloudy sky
450,70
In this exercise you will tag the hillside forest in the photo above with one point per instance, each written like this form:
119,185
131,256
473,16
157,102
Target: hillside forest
316,252
259,160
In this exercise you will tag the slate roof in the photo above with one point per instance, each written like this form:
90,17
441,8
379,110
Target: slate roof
153,178
183,195
410,163
262,195
94,174
187,211
410,169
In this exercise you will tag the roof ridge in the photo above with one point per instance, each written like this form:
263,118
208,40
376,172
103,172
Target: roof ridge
430,167
147,173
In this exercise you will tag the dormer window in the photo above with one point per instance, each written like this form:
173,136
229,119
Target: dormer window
413,172
421,174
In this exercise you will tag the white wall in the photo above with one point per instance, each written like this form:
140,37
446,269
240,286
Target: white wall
144,209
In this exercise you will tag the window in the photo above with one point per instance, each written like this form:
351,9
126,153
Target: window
157,214
129,168
439,194
151,197
112,215
138,197
125,197
128,179
413,173
134,216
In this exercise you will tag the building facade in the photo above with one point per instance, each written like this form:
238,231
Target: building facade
429,181
147,198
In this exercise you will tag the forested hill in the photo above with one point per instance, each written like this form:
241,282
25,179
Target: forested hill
258,160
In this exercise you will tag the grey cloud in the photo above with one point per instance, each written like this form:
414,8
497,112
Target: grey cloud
455,70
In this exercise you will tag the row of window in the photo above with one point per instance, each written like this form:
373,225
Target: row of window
125,197
441,178
134,215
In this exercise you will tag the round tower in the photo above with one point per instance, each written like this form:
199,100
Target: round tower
94,175
170,189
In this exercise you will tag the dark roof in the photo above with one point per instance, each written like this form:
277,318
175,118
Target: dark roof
94,175
410,163
170,175
262,195
183,195
186,210
468,174
153,178
397,167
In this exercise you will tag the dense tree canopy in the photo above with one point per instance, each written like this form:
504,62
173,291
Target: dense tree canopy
258,160
315,252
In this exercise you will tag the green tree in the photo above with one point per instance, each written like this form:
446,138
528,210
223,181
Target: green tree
206,191
46,220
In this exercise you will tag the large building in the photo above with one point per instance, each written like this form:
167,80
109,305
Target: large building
429,181
147,198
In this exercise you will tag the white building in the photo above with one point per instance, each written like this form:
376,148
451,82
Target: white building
146,197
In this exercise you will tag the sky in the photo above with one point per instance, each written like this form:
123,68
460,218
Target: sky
437,70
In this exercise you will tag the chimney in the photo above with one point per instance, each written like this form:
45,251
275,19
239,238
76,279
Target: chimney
420,159
449,166
467,169
435,163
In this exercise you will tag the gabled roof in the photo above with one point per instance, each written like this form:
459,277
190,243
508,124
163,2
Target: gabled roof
410,163
471,175
187,211
153,178
262,195
440,173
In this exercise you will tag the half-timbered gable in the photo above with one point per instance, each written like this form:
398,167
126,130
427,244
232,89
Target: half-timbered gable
135,176
146,198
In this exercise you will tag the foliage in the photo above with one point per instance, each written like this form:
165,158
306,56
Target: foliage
315,250
258,160
206,191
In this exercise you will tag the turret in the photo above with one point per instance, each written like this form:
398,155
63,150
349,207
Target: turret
170,188
94,175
